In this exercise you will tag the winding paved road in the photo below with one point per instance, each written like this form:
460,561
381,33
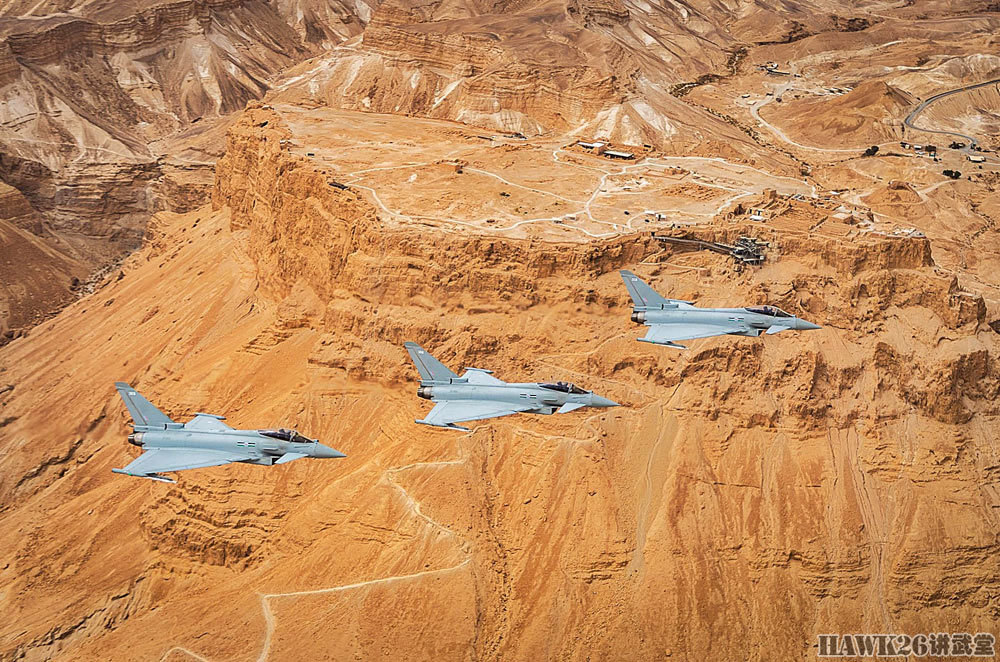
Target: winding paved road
923,106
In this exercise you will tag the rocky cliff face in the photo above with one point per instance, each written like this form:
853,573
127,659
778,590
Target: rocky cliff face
764,489
36,277
333,238
529,69
92,93
700,493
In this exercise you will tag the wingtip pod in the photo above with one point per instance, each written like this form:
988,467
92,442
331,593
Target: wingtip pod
449,426
215,416
666,343
157,477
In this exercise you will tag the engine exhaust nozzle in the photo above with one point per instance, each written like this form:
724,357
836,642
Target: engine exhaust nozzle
639,316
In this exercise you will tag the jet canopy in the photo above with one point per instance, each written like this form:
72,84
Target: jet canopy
564,387
773,311
284,434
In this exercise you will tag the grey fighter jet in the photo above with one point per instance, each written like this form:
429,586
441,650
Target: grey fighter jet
670,320
205,441
477,394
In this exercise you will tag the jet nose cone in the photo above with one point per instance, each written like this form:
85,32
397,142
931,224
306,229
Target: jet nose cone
326,452
807,326
598,401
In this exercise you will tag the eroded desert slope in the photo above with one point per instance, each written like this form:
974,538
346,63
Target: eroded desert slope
111,111
747,493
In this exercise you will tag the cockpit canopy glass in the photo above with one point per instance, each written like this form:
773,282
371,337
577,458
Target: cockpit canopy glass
773,311
564,387
284,434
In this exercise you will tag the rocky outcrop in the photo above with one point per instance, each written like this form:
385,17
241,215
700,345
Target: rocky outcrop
870,114
37,273
395,33
336,232
604,13
301,230
15,209
9,68
84,95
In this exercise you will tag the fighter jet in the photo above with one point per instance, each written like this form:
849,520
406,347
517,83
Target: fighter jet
477,394
670,320
205,441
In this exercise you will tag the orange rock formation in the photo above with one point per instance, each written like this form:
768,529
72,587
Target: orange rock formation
749,495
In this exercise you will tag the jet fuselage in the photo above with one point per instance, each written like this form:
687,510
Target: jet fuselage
264,450
751,323
518,394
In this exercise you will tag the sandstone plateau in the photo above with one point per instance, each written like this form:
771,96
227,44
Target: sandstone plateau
246,207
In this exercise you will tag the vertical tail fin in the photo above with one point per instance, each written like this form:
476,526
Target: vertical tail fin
144,414
430,369
642,295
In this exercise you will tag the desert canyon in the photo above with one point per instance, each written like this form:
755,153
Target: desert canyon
245,207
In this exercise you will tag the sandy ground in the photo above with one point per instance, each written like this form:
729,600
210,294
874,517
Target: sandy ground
445,175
